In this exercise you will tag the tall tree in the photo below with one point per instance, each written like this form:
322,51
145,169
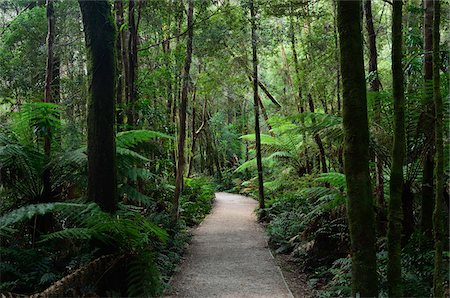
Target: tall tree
427,176
100,35
121,79
356,151
394,234
375,89
256,106
48,94
133,25
438,290
182,113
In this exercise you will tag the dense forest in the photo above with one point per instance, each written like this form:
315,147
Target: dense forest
121,119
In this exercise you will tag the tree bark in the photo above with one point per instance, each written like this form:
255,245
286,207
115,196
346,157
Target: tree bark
438,290
132,61
300,106
182,115
118,8
394,233
427,174
256,106
318,139
44,223
100,35
356,154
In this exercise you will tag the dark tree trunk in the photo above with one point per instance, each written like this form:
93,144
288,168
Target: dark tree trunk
428,166
318,139
299,101
256,107
394,234
100,35
118,8
133,63
182,116
375,89
356,139
438,289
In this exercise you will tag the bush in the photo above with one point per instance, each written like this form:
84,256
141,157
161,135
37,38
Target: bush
196,200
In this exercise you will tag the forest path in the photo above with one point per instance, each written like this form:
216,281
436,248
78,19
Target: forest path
228,256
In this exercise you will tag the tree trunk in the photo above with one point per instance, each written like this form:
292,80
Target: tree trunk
44,223
438,290
100,38
356,154
427,176
394,233
256,107
118,8
182,116
300,106
132,60
338,71
375,89
317,138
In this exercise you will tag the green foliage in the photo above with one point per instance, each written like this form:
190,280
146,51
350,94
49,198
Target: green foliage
196,200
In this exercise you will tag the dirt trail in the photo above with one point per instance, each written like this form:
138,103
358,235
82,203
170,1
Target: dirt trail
229,257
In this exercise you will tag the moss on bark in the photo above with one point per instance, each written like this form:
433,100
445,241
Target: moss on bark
100,35
356,153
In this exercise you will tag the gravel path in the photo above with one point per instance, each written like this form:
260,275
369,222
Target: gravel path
229,257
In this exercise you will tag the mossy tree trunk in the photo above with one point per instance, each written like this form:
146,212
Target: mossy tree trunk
182,114
256,106
356,152
438,290
100,35
394,234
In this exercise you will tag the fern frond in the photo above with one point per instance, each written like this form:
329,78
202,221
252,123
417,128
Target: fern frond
130,138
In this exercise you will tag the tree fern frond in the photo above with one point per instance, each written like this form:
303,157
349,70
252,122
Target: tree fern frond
130,138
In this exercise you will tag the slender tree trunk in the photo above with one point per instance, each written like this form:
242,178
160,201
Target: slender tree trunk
438,290
375,89
44,223
427,176
100,35
338,71
182,116
318,139
394,234
118,8
256,107
300,105
356,154
196,133
132,60
48,96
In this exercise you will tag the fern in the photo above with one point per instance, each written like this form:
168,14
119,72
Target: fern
130,138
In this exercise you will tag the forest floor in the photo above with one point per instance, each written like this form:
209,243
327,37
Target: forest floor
229,256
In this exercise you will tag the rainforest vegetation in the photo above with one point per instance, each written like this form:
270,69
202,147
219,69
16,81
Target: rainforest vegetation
121,119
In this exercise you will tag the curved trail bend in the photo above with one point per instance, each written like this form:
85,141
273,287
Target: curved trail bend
228,256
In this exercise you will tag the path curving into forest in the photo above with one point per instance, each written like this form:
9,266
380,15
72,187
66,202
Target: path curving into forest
228,256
